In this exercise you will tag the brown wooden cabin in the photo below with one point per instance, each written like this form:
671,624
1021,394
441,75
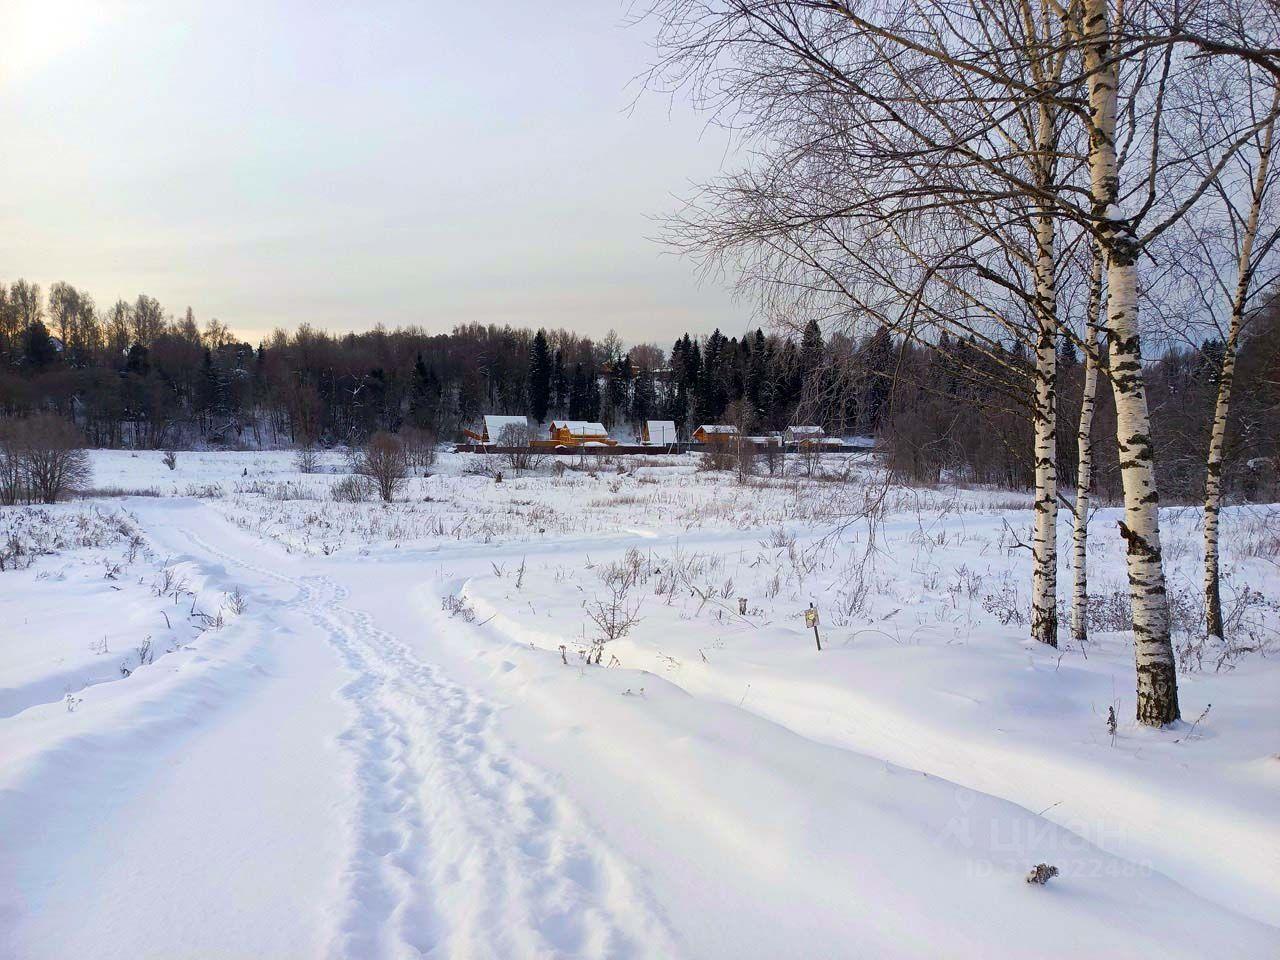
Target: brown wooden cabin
577,433
715,433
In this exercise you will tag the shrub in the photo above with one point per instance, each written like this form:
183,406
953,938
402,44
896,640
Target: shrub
42,458
419,448
13,485
170,459
720,453
384,463
519,456
353,489
306,459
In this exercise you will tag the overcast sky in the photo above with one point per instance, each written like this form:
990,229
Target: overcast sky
274,163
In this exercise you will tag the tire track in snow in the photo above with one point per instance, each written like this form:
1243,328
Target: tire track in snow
458,847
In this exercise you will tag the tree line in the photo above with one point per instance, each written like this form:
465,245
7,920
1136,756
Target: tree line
136,376
942,410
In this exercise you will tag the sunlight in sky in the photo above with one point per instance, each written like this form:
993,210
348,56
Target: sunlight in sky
273,164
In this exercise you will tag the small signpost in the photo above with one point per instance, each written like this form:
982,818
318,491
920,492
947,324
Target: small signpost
811,620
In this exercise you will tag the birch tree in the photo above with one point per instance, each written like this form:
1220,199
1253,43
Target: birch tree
1225,262
917,151
917,84
1084,455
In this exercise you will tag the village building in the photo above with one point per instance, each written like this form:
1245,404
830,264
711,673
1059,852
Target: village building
711,432
577,433
659,433
799,434
494,426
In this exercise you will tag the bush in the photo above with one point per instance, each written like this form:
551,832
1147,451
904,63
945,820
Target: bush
306,459
519,456
42,458
720,453
384,463
419,448
353,489
13,487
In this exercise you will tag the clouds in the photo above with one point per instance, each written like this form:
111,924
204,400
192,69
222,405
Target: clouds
280,163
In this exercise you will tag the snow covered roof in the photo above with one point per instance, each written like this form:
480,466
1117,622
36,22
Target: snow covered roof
580,428
718,428
494,425
806,432
661,431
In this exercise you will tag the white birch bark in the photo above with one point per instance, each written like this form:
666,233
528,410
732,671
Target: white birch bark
1044,541
1084,448
1157,688
1217,438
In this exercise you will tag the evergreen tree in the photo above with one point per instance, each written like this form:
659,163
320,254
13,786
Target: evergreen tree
38,350
579,396
812,349
540,375
559,385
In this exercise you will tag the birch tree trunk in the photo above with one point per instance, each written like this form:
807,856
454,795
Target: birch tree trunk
1044,542
1084,447
1157,690
1213,474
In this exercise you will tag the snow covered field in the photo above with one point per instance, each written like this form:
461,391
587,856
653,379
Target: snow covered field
240,719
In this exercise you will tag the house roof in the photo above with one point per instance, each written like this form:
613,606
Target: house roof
806,431
581,427
494,425
718,428
661,431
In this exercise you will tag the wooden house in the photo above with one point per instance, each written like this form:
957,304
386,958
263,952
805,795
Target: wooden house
661,433
577,433
494,427
715,433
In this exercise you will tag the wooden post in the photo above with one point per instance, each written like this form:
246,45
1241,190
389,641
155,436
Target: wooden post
811,620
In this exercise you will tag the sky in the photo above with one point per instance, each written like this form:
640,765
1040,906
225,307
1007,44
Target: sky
344,165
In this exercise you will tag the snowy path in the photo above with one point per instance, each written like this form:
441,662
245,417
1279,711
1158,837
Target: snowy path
455,846
346,771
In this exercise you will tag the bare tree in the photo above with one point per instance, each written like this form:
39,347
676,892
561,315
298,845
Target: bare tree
905,106
306,458
383,462
50,458
519,455
419,448
1226,261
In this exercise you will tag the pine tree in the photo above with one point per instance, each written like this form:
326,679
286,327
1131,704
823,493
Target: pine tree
38,351
540,374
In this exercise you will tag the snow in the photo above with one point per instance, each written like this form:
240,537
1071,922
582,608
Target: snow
793,433
710,428
379,750
662,432
494,425
580,427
